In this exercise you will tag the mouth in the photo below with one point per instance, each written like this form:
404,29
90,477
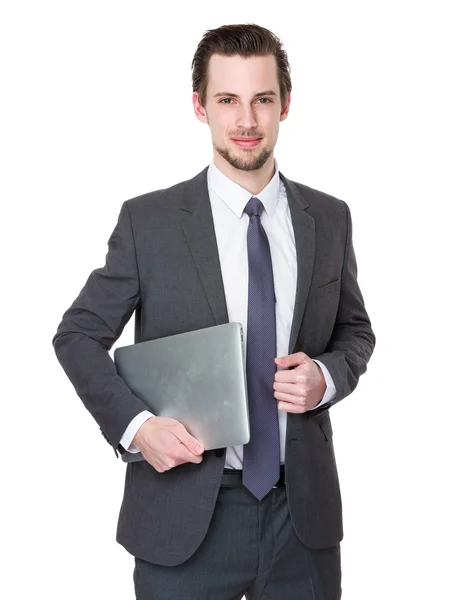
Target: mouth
246,142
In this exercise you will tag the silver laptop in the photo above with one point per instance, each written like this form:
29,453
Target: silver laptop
197,377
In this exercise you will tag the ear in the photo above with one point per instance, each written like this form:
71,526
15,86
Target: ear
200,112
284,113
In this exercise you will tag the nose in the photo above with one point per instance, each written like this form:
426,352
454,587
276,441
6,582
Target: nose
245,117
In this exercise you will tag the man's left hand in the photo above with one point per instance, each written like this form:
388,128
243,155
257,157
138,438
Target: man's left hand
301,388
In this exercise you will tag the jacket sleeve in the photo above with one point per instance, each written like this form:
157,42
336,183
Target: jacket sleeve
352,341
91,326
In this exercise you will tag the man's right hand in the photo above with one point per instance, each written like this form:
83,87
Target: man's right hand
165,443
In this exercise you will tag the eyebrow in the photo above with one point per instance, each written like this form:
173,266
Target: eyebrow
266,93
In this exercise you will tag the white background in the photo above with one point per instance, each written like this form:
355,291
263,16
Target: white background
96,109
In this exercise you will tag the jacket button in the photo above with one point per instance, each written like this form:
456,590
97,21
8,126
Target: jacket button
219,452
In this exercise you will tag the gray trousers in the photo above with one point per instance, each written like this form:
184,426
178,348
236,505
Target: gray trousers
250,549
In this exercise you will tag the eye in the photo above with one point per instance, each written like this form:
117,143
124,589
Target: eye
223,101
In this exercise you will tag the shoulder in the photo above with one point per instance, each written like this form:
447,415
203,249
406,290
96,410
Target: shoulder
318,199
165,198
328,210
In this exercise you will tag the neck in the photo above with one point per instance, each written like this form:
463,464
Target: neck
252,181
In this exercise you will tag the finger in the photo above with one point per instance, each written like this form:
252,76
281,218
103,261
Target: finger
291,360
177,454
281,396
291,408
188,440
297,375
184,455
288,388
187,455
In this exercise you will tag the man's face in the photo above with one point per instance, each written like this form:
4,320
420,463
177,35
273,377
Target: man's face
237,108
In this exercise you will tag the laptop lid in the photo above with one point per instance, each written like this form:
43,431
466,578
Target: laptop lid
197,377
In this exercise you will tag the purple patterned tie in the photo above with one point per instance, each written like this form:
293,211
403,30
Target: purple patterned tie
261,455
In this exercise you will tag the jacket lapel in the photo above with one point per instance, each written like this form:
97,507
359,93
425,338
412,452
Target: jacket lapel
198,227
304,231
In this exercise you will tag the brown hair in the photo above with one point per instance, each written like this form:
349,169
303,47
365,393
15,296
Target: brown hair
246,40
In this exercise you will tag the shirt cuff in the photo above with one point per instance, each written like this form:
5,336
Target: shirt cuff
330,392
127,438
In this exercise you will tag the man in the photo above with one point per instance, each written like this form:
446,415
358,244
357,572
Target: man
237,242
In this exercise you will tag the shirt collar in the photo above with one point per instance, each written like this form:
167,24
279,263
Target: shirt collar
236,197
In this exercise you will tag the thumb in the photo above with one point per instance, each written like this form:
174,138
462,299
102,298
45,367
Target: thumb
192,443
283,361
290,360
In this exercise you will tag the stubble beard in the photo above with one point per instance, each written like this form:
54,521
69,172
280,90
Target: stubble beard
250,162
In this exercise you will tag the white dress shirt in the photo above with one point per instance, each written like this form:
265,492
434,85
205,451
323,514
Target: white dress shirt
228,200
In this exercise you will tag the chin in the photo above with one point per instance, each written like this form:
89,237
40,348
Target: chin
250,159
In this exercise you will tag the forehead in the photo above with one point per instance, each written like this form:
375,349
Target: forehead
226,73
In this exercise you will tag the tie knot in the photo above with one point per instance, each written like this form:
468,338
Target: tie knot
254,207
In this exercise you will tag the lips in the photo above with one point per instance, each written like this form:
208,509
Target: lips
246,142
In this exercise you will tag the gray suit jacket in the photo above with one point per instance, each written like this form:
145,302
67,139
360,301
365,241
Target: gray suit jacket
163,265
